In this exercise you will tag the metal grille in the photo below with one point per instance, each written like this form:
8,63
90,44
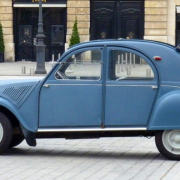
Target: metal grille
17,92
26,26
177,28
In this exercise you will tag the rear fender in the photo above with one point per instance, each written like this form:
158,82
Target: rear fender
166,113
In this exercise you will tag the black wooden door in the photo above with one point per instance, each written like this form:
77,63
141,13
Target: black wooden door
131,20
103,22
117,19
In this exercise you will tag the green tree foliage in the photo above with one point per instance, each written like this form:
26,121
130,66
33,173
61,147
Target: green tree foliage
1,39
75,39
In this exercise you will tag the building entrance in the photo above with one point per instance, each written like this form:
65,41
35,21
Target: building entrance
117,19
178,27
25,31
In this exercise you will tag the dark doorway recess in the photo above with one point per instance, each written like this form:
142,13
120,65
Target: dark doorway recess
177,28
117,19
25,31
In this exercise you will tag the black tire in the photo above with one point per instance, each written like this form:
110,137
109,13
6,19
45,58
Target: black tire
166,144
5,132
16,140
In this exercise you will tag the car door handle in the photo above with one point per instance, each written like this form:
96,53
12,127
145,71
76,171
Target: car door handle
154,87
46,85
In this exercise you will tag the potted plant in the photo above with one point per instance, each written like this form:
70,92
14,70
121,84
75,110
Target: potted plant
75,39
2,47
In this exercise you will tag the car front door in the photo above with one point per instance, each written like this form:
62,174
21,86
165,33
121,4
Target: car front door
72,94
131,88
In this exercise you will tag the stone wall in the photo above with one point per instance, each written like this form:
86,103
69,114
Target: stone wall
171,21
6,18
81,10
156,20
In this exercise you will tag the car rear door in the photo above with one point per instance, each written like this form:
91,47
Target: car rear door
131,88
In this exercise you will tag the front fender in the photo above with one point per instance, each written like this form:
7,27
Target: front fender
166,113
11,107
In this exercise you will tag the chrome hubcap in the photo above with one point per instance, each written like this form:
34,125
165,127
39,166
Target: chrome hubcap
171,141
1,132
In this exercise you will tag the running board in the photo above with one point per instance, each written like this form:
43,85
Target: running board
90,129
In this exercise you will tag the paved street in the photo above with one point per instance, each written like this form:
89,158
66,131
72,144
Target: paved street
106,158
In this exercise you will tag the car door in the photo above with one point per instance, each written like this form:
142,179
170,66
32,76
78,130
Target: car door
131,88
72,95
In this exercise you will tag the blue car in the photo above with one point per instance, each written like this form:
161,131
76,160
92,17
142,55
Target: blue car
109,88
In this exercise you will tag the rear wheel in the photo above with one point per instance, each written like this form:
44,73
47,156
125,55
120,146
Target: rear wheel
5,132
168,143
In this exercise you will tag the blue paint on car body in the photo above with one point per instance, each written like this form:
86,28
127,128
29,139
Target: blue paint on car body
37,105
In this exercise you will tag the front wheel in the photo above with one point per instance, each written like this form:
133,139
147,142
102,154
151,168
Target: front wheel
16,140
5,132
168,143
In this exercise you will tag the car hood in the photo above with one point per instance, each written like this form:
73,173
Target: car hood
17,90
17,81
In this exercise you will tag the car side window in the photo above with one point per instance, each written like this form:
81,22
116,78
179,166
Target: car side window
84,65
128,66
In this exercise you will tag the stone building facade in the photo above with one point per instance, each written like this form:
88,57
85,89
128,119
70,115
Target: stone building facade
6,18
159,21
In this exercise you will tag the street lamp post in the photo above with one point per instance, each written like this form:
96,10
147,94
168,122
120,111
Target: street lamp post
40,46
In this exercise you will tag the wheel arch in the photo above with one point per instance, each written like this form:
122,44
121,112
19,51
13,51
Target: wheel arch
11,111
166,113
8,107
12,118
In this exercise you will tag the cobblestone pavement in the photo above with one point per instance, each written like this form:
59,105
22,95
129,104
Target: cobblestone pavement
107,159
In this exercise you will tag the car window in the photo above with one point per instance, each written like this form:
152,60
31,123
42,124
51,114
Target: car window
125,65
84,65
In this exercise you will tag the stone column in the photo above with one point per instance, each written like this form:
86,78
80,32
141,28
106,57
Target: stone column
156,20
6,18
81,10
171,22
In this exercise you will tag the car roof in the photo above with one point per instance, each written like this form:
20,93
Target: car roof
121,40
170,58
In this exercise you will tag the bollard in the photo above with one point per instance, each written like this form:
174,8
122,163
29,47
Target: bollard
130,57
23,70
134,60
52,58
126,60
122,59
140,61
118,66
59,55
31,72
148,72
75,62
128,71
